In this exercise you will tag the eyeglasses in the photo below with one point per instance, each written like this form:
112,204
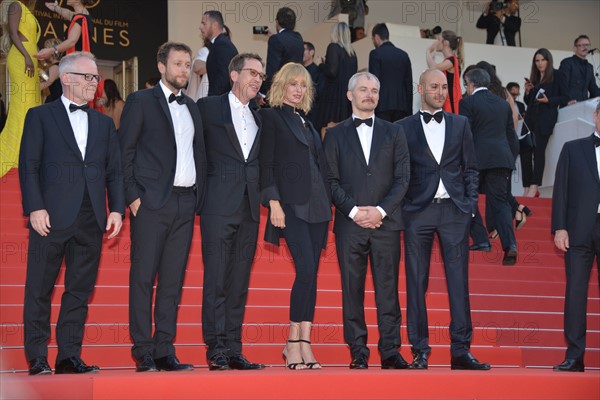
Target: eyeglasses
254,73
88,77
583,45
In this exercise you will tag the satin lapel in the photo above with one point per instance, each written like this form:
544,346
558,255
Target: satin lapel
160,96
293,125
448,135
229,127
190,105
377,140
92,132
64,126
590,157
354,141
421,136
256,144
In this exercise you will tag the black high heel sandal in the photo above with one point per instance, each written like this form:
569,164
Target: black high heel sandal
292,365
311,365
523,213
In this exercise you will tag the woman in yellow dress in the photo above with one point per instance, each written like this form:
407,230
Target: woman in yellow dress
20,34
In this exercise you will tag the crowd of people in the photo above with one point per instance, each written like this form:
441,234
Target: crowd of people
296,134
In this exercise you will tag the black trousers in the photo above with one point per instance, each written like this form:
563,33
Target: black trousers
228,247
579,261
305,242
80,246
160,245
392,115
355,248
495,184
452,228
533,162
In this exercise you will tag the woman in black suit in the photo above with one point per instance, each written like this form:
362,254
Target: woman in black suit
545,91
294,187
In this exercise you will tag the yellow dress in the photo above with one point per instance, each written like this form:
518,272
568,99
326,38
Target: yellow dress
24,91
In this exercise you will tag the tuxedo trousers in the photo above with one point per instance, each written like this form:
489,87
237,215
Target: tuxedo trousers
160,245
228,248
579,261
80,246
356,248
452,228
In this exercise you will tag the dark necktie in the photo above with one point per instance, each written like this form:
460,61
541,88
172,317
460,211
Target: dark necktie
438,116
179,99
596,140
75,107
358,122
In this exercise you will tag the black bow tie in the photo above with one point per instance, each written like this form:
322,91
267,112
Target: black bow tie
596,140
358,122
438,116
75,107
179,99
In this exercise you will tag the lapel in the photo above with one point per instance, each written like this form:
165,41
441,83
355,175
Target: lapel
354,142
418,127
447,136
160,96
289,119
92,132
64,126
589,150
256,145
377,139
228,123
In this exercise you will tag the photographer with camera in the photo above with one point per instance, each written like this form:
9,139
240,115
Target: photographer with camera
502,22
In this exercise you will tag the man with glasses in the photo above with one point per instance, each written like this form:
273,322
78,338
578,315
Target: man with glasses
579,73
69,162
231,211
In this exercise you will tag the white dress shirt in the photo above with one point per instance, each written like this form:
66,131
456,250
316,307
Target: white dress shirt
79,124
244,124
435,134
183,125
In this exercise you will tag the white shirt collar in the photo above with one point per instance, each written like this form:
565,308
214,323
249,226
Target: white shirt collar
429,112
478,90
66,102
167,92
235,102
371,117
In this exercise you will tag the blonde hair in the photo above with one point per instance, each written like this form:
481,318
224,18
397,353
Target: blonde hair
282,79
340,34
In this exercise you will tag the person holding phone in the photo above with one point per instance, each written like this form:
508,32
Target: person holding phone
545,91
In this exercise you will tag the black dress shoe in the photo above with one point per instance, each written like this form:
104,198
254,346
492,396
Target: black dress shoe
359,362
74,365
485,246
570,365
218,362
39,366
510,257
467,361
145,364
240,362
420,361
395,362
171,363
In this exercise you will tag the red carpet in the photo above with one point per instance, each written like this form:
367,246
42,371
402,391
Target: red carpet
517,317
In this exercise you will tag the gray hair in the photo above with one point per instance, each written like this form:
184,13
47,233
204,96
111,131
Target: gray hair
478,77
67,62
354,79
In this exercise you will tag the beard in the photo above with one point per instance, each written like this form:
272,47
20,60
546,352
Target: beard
174,83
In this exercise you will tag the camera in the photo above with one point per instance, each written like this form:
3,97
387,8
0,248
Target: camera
260,30
496,6
430,33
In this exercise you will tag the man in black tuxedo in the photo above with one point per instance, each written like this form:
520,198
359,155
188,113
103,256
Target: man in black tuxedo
212,27
69,161
393,68
368,173
576,228
501,21
164,164
285,46
441,198
231,211
496,149
579,73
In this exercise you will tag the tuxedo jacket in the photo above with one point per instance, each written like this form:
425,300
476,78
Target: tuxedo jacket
579,76
457,169
217,65
229,175
382,182
544,116
149,149
392,67
283,47
54,175
576,193
492,126
491,23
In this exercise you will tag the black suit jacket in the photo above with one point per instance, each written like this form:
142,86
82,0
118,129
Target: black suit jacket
458,167
149,149
383,182
217,65
283,47
491,23
576,193
53,174
579,76
392,67
544,116
229,174
492,126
